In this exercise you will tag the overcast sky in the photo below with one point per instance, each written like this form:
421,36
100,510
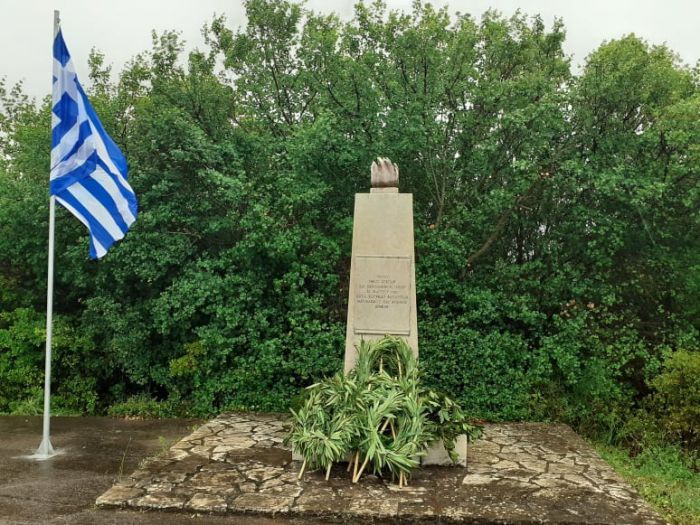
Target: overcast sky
122,28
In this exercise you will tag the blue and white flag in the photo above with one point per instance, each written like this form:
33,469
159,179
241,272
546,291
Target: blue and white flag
88,171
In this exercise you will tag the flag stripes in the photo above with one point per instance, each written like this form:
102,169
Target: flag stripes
88,171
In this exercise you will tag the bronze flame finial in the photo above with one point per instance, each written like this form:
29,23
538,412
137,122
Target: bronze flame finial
385,174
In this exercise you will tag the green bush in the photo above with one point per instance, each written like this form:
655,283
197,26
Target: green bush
493,373
676,397
22,354
142,406
21,357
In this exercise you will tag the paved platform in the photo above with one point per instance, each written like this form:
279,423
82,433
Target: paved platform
516,474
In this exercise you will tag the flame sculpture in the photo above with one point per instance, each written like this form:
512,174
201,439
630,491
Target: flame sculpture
385,174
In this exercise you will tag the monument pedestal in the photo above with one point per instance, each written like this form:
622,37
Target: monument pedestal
382,271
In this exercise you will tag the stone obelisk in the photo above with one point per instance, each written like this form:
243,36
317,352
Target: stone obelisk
382,294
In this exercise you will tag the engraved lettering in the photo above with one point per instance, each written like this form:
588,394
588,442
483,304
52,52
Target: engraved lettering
382,295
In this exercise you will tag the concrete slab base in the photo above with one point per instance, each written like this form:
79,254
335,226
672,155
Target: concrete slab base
517,473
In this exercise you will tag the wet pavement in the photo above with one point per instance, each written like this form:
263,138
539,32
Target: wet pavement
518,473
97,452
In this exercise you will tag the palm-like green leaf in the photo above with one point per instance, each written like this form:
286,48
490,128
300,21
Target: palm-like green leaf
379,412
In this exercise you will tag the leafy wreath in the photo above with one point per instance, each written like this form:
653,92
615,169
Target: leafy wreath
378,417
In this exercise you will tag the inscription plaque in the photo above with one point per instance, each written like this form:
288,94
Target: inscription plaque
382,295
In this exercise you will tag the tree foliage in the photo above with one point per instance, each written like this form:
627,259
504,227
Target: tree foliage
556,214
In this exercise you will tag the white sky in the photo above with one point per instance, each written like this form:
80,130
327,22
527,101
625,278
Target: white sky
122,28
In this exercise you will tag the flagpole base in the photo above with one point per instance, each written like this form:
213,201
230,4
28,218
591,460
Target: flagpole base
45,451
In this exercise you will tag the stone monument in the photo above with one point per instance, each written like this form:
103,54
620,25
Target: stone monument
382,269
383,277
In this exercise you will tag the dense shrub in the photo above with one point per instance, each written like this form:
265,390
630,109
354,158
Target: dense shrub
22,341
676,398
21,356
143,406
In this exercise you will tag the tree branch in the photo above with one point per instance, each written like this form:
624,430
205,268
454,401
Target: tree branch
502,223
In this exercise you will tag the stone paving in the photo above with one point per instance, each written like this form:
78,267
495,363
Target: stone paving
518,473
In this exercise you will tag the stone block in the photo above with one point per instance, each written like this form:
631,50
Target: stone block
437,455
118,496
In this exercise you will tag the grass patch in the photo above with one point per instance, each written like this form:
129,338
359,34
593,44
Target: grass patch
663,477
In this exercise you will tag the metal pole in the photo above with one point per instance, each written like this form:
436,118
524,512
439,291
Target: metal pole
45,449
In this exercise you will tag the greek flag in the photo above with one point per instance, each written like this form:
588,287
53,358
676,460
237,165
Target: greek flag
88,171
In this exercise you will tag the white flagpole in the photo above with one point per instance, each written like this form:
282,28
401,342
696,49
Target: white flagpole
45,449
